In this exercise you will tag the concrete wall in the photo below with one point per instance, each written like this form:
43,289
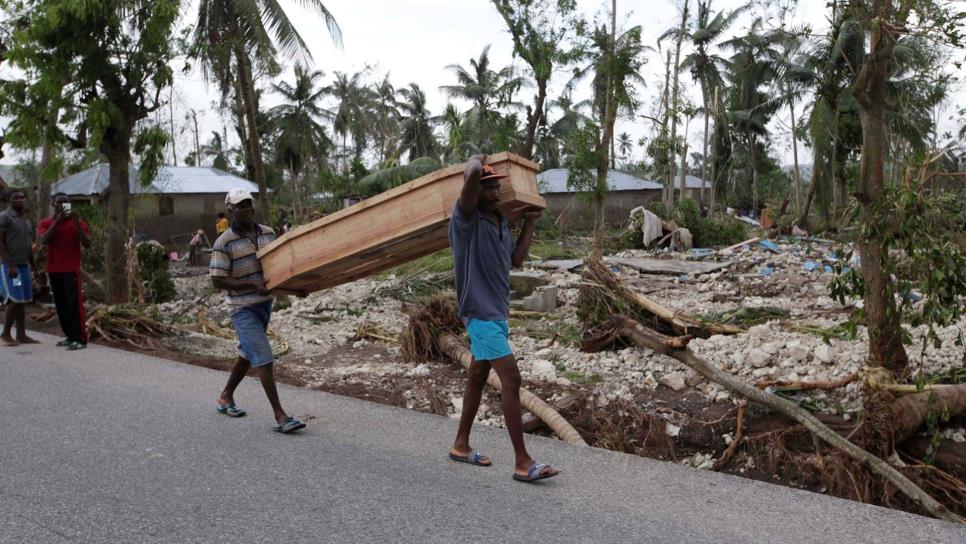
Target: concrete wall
578,213
183,214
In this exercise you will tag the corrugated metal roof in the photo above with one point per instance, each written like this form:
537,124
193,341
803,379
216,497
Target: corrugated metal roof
169,180
692,182
555,181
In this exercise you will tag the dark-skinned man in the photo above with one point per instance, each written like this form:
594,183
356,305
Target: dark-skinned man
16,266
64,234
235,268
483,253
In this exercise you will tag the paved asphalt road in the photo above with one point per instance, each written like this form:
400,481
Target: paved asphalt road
109,446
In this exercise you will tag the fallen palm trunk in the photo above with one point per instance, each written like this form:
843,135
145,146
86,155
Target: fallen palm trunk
606,295
911,411
451,346
657,342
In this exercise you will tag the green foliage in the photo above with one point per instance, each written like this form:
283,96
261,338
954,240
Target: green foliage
387,178
924,249
705,231
93,215
158,286
149,146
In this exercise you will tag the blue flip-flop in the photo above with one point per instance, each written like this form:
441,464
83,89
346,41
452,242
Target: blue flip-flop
472,458
290,425
534,473
230,410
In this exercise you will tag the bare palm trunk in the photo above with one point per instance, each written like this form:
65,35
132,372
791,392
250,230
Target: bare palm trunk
674,93
669,157
714,163
610,117
753,155
798,175
533,118
174,139
704,150
248,101
242,131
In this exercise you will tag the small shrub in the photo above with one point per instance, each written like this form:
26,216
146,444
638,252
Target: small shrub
158,286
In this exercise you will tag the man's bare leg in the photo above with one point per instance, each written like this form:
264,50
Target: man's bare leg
510,382
266,374
238,371
8,320
21,320
475,382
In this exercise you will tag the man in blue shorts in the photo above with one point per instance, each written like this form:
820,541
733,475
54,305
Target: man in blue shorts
483,252
236,269
16,267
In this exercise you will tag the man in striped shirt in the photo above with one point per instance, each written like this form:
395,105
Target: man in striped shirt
235,268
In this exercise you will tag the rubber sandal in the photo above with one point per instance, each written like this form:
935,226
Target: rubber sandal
290,425
230,410
473,458
74,346
64,343
534,473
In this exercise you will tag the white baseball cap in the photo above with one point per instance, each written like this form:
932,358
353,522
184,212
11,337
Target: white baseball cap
237,196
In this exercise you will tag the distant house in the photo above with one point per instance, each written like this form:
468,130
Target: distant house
626,192
693,186
179,201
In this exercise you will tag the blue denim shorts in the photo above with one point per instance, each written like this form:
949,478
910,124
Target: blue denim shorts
489,340
251,326
20,289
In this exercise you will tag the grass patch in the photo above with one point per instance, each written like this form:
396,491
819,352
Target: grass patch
745,317
441,261
551,250
843,331
585,379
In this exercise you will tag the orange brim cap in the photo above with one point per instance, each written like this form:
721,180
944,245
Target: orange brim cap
490,173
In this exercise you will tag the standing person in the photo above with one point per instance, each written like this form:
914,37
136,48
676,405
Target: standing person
236,269
221,224
64,234
16,266
483,251
194,247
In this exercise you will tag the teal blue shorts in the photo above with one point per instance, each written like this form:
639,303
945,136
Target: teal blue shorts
489,340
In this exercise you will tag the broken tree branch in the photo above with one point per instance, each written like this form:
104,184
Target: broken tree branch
739,434
655,341
451,346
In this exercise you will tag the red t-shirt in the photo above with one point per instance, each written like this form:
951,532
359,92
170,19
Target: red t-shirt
64,251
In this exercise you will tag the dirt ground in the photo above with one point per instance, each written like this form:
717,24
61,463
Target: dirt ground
344,341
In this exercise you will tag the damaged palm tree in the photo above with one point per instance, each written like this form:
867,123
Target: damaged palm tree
903,411
602,294
432,334
124,323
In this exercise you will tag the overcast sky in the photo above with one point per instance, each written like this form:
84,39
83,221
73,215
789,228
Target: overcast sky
415,40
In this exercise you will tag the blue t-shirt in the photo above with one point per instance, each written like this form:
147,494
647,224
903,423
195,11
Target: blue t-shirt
482,254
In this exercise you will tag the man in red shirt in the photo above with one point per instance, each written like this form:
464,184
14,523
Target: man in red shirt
64,234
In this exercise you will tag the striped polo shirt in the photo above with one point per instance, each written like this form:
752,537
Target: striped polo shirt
234,256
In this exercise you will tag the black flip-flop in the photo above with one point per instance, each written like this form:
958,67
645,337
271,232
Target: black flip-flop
290,425
534,473
472,458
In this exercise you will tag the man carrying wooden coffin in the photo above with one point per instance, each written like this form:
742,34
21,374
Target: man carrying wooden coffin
236,269
483,252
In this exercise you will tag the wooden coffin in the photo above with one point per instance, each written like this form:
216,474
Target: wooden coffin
389,229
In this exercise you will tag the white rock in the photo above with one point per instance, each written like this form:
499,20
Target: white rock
421,370
759,332
722,396
543,353
672,429
772,348
797,351
674,380
758,358
543,370
824,353
959,436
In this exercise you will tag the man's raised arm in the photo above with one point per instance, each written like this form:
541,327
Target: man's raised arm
470,196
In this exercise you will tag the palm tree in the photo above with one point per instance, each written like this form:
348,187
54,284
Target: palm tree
705,66
624,145
417,124
488,90
300,136
215,149
384,122
350,115
457,127
751,69
236,38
